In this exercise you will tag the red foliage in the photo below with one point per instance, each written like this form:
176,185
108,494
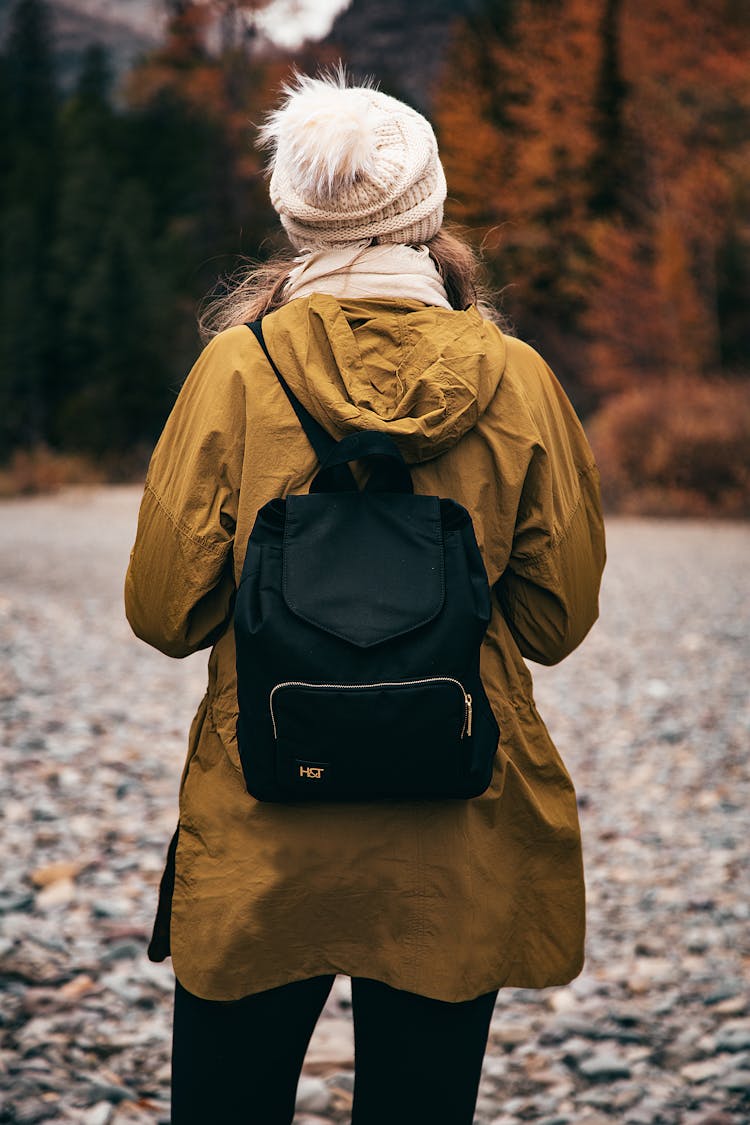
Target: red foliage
679,447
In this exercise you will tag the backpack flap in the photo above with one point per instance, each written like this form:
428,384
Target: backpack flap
365,566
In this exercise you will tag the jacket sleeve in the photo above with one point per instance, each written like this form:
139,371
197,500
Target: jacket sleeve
549,592
179,587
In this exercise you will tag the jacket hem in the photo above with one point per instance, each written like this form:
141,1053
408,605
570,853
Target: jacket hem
516,977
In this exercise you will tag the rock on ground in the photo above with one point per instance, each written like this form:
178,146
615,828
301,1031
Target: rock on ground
650,715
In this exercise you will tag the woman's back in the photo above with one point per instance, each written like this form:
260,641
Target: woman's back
445,899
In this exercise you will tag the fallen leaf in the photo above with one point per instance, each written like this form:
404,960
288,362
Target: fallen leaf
54,872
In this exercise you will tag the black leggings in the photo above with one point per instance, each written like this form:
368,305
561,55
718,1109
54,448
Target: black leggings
238,1062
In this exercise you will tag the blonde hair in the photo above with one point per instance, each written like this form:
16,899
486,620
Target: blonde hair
257,288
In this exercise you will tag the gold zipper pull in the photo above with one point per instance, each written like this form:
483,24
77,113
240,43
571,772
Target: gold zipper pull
469,715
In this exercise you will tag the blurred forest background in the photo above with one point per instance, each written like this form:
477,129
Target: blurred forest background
598,151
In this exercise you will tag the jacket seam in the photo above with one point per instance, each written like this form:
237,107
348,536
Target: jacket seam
193,536
562,531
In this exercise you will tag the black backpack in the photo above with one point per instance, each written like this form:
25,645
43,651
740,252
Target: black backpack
358,623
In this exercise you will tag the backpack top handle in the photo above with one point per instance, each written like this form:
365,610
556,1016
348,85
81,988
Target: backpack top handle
390,473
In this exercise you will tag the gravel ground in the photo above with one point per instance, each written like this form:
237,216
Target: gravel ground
651,716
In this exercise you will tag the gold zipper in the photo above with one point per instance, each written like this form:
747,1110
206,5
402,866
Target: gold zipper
468,706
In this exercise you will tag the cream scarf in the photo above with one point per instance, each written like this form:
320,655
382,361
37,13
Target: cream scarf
360,270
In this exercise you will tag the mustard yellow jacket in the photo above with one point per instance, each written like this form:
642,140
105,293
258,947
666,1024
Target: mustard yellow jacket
446,899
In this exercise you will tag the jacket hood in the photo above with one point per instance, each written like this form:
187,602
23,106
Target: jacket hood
422,374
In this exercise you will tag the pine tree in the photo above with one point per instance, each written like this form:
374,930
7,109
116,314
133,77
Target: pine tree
92,161
24,333
192,145
117,308
608,165
27,326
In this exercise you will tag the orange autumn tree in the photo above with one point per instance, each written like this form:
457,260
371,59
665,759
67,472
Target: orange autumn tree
687,70
515,111
609,158
602,141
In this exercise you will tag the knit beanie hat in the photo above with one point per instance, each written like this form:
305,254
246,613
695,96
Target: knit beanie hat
351,163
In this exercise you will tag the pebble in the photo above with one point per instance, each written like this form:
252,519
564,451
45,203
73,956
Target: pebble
110,1093
312,1095
732,1004
604,1068
737,1081
332,1047
53,873
734,1037
700,1071
649,715
59,893
100,1114
122,951
343,1081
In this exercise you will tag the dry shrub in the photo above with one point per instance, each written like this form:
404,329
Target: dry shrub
679,447
41,469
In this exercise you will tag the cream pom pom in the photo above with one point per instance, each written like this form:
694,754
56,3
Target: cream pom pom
327,132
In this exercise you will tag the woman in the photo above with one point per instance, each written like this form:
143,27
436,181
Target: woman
430,907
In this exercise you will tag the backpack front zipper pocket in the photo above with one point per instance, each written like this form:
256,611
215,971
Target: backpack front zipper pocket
465,731
396,737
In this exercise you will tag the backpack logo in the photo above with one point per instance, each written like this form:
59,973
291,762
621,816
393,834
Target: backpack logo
313,773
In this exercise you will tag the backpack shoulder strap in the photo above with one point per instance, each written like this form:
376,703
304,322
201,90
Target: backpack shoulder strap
319,439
